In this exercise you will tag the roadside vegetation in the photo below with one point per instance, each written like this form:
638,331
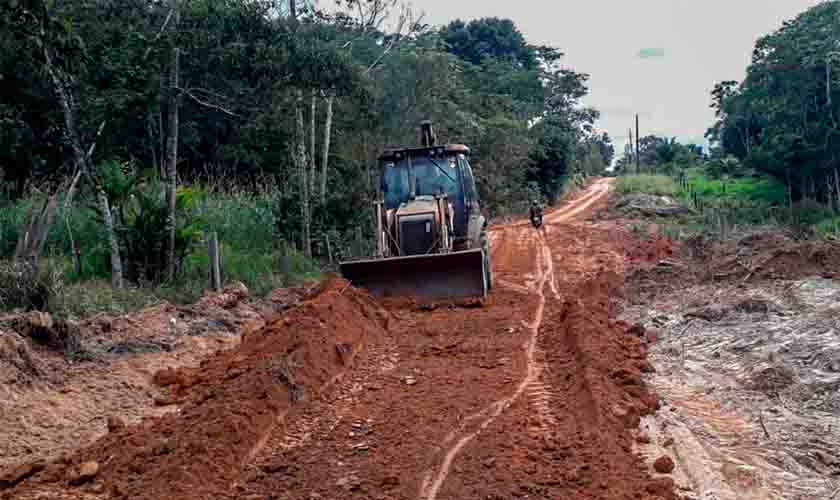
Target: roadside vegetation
720,207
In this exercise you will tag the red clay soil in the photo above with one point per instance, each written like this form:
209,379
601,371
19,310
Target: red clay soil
230,404
534,393
754,258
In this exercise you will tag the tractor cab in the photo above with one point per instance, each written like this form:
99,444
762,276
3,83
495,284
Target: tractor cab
410,175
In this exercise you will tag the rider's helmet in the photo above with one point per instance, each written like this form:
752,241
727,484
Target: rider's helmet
534,203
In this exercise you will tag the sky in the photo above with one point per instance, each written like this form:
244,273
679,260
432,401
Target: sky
658,58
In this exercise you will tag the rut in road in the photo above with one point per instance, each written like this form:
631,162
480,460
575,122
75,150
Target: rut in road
544,273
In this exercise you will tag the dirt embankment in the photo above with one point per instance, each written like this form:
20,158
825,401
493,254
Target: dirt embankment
228,406
60,381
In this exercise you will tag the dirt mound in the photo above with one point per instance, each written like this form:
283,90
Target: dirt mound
653,249
17,364
228,405
757,257
770,378
772,256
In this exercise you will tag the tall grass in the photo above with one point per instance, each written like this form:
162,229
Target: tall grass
246,227
647,183
762,190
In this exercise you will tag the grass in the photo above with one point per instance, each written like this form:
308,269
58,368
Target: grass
83,299
828,228
647,183
748,189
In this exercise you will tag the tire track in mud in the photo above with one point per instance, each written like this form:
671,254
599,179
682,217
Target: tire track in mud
539,393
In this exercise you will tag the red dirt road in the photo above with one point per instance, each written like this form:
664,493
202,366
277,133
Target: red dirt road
534,394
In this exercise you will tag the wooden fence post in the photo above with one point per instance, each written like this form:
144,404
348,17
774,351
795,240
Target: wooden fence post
360,252
284,261
214,254
329,248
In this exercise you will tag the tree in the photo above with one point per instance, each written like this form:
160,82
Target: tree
489,38
35,20
172,139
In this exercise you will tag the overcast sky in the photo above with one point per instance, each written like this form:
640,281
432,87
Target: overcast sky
704,41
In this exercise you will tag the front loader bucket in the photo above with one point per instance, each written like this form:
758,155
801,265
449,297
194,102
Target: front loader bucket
451,275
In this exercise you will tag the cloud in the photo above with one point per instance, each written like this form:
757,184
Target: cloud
651,53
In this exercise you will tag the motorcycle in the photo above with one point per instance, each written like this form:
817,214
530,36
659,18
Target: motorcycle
537,219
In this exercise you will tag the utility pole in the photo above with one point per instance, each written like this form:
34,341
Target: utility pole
637,144
630,144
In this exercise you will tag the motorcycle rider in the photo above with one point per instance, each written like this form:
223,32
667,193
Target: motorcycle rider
536,212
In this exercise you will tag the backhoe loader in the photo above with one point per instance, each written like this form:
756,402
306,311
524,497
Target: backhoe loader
431,237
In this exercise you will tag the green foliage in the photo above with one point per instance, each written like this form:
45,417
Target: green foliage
572,184
728,167
489,38
762,190
662,155
782,119
725,203
82,299
828,228
13,217
647,183
258,271
143,236
809,212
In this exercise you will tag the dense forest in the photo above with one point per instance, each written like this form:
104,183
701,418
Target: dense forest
131,114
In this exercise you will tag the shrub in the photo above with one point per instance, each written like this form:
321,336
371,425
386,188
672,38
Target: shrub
810,212
143,234
30,287
98,296
829,228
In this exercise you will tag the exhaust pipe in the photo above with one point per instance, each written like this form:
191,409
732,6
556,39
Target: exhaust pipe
427,134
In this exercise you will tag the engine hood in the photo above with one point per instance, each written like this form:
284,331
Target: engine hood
419,205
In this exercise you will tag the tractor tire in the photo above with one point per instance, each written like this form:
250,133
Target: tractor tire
488,263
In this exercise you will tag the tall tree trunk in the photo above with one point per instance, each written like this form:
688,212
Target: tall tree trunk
313,158
302,165
172,146
83,161
829,102
116,261
837,189
325,153
162,135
